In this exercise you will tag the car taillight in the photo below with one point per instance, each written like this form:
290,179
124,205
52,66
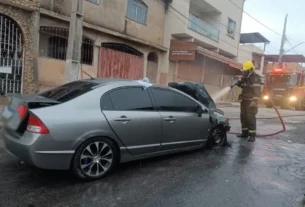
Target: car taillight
35,125
22,111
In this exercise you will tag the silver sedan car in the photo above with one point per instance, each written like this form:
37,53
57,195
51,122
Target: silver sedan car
89,126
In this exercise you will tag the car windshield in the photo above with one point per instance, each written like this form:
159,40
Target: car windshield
283,80
68,91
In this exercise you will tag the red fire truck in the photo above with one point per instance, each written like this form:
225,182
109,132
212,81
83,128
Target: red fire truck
285,88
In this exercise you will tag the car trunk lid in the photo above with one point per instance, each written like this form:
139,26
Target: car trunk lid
16,113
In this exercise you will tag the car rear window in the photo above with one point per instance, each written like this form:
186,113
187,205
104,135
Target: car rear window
69,91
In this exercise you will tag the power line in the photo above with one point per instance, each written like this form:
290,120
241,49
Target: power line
291,46
255,18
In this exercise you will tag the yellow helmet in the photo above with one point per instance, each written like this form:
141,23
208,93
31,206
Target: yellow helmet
248,65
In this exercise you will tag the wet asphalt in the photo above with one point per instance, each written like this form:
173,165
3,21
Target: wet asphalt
269,172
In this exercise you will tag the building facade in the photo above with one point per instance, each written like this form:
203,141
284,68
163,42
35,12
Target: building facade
212,29
121,39
18,50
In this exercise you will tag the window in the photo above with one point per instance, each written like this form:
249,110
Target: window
57,47
231,27
68,91
95,1
137,10
54,44
106,103
283,80
171,101
131,99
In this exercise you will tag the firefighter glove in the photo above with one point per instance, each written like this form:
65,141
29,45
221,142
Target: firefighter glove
253,104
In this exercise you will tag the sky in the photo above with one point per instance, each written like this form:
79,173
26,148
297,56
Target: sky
273,15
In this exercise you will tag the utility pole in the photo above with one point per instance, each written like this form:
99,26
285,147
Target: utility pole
73,59
283,42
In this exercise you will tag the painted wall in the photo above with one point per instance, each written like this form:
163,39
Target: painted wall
228,10
219,21
51,71
111,14
176,23
245,53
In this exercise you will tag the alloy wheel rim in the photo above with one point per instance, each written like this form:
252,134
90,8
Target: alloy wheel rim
217,136
96,159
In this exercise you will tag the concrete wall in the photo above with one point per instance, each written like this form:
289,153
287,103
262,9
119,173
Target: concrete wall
220,21
111,14
245,53
229,10
51,71
176,23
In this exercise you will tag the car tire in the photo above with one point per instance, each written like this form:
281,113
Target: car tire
94,159
217,138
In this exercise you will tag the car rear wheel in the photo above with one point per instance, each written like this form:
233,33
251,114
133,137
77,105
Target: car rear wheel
94,159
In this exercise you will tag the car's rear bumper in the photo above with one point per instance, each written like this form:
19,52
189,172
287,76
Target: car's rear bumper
29,149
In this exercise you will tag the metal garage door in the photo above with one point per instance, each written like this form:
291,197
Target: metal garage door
120,61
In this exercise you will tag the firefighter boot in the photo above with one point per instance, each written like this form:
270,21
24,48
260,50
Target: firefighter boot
244,134
252,138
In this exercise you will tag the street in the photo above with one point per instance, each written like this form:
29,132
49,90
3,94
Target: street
269,172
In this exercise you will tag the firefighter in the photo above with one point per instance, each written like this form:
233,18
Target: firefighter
251,91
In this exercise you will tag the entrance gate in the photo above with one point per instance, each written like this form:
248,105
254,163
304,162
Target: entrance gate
120,61
11,56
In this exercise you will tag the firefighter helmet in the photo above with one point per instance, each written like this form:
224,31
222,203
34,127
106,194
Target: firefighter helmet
248,65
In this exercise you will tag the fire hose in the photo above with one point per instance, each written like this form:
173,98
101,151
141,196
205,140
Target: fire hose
279,116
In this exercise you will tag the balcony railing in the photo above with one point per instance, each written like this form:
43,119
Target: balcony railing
203,28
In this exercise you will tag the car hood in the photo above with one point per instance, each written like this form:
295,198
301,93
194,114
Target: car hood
197,91
200,93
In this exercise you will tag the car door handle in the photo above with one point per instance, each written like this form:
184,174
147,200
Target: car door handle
122,119
170,119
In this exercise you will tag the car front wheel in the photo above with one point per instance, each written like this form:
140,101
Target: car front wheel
94,159
217,138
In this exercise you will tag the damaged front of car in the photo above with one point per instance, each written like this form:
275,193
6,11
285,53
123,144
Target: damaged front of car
219,124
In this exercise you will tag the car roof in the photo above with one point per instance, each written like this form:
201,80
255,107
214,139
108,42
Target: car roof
106,81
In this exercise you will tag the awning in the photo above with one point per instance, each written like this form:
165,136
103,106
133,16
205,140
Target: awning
286,58
220,58
252,38
183,50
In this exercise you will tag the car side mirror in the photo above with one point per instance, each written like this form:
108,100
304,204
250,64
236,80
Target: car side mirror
201,111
